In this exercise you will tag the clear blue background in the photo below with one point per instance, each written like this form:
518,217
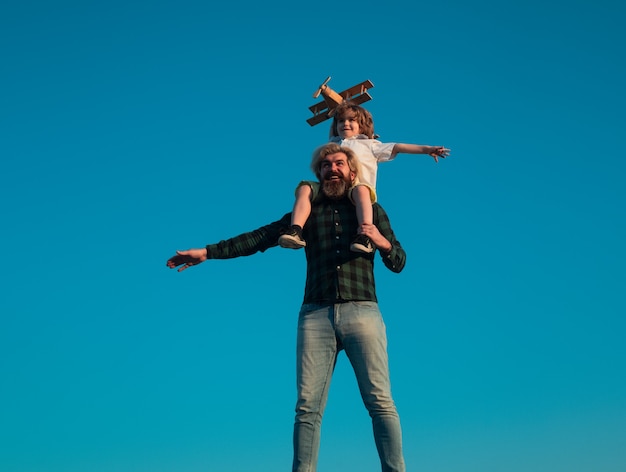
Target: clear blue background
131,129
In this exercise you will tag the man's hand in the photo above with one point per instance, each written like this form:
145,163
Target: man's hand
186,259
371,231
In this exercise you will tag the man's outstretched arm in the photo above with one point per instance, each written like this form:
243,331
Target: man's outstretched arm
245,244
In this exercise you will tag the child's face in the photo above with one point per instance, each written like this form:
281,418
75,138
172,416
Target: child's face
347,125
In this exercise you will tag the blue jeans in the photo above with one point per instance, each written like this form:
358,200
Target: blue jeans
323,331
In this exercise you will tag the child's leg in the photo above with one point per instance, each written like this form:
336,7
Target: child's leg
363,202
362,198
292,237
302,206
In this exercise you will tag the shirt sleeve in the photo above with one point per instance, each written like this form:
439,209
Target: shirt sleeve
395,259
382,151
246,244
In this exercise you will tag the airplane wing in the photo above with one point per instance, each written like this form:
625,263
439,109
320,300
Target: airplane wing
357,90
356,94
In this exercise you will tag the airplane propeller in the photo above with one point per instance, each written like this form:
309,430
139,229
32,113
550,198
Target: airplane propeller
321,87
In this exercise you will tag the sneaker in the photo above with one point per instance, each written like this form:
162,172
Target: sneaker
291,237
362,244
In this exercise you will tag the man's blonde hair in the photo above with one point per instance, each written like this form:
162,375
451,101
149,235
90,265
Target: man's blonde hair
326,150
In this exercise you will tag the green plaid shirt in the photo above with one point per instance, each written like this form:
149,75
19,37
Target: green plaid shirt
334,273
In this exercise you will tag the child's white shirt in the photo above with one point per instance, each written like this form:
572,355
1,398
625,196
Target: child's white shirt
369,152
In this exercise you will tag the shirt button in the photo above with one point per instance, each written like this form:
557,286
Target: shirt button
338,251
338,267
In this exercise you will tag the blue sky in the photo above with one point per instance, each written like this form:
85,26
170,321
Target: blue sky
132,129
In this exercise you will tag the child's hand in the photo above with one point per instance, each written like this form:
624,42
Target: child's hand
439,151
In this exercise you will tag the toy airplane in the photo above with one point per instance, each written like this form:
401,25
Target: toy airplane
322,111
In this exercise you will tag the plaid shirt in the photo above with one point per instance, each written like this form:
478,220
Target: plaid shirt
334,273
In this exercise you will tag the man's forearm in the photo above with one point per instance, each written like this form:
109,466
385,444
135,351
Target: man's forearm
248,243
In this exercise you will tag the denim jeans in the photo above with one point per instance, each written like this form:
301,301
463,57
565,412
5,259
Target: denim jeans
323,331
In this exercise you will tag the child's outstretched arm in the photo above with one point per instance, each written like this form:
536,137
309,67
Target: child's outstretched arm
434,151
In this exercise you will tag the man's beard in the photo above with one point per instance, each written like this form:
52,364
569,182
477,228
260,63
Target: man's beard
335,189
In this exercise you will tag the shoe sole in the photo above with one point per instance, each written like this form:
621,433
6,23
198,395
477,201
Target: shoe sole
361,248
290,243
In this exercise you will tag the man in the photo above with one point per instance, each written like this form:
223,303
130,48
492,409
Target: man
340,309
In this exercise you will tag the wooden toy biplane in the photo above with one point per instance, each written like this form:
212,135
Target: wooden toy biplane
322,111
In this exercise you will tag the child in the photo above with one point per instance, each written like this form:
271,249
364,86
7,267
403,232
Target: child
353,127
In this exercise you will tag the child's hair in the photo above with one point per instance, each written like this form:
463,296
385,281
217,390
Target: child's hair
332,148
363,117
